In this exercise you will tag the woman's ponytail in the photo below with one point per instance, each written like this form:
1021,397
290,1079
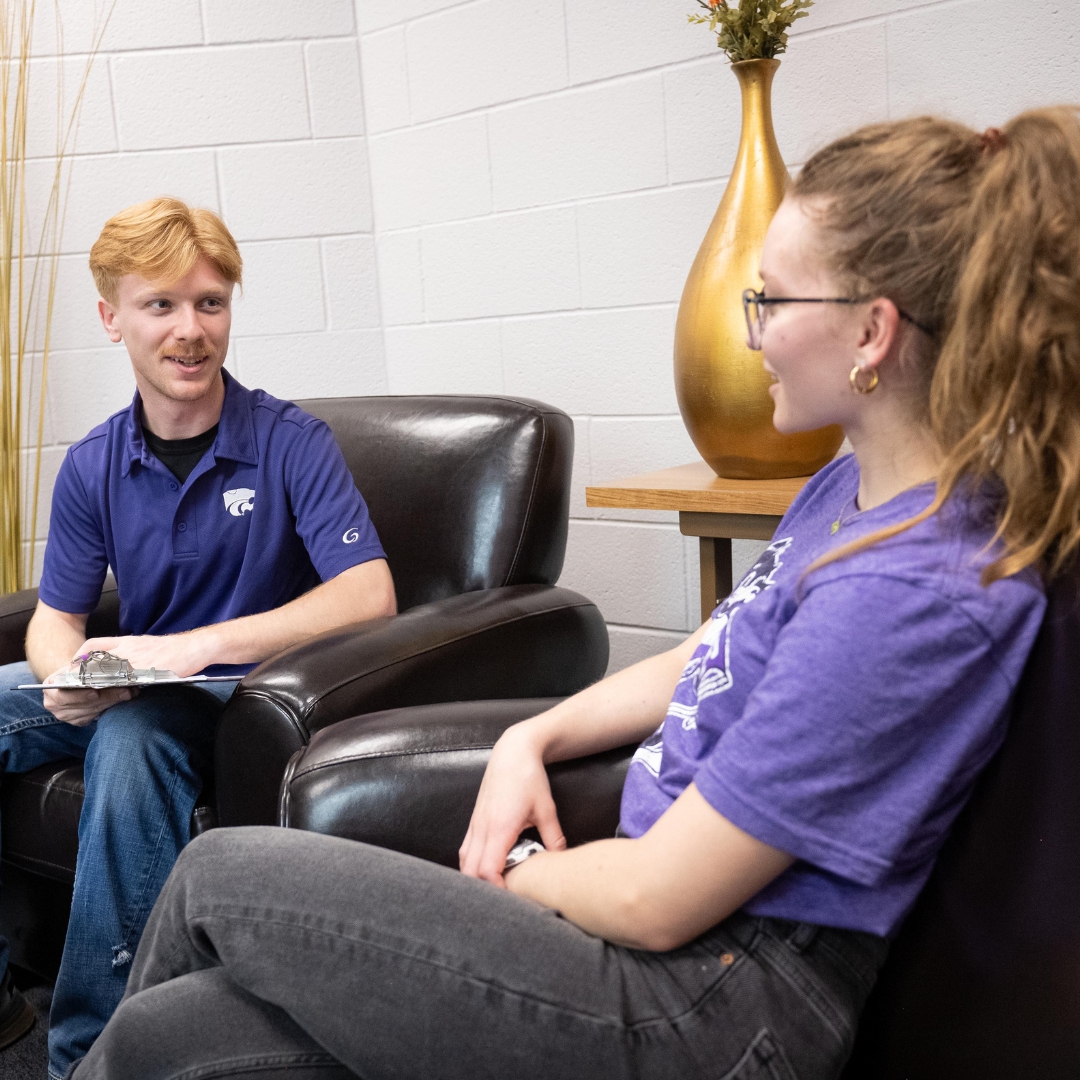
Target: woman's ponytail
1005,396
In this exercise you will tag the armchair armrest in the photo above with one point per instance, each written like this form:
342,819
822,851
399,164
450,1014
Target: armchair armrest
516,641
16,609
407,778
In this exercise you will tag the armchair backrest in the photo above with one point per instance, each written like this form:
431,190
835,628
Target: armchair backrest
466,492
983,981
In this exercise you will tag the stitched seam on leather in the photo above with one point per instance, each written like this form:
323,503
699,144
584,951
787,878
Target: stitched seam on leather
442,645
297,720
286,786
375,755
529,506
14,858
51,787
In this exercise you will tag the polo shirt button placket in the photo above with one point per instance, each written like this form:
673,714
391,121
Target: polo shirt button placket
186,532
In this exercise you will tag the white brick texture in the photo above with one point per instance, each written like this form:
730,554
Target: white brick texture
375,14
401,284
85,388
333,78
352,294
386,79
134,24
256,20
833,82
503,265
634,573
586,142
637,249
702,127
96,133
283,289
438,172
342,364
209,97
446,358
297,189
612,39
631,644
939,60
594,361
76,324
483,54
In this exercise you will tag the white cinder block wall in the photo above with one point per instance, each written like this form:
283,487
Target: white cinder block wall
492,196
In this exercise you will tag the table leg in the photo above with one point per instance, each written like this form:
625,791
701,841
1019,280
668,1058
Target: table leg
716,582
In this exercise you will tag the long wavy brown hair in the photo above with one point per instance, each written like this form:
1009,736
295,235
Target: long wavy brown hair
977,237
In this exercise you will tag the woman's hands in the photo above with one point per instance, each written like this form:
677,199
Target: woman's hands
514,795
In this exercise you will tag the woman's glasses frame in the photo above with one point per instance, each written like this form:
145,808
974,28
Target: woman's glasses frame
756,305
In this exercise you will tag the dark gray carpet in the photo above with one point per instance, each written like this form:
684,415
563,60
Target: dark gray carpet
28,1059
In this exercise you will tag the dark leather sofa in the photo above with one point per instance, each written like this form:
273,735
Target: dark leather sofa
983,981
470,496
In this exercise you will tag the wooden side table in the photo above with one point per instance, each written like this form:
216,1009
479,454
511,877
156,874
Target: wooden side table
711,508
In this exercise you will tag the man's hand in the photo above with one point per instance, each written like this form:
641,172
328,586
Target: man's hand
182,653
186,654
514,795
80,707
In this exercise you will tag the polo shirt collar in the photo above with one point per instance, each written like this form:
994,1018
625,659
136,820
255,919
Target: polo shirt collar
235,438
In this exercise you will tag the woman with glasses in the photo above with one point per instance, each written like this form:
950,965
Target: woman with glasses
803,754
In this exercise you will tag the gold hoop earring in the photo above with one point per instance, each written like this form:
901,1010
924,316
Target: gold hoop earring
859,387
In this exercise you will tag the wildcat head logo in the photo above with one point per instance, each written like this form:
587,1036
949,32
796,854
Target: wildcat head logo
239,501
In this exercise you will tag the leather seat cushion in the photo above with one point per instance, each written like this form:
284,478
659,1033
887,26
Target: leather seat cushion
40,819
407,778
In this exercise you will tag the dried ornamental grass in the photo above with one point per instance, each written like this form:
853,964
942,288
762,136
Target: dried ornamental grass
28,269
751,29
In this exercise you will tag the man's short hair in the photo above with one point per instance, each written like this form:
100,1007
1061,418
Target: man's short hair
161,240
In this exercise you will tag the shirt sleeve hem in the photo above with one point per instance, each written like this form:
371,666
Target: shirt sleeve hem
820,851
65,603
330,568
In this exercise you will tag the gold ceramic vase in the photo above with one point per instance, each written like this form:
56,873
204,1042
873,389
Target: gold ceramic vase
722,388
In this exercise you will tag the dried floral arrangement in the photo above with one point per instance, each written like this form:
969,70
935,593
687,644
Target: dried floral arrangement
751,29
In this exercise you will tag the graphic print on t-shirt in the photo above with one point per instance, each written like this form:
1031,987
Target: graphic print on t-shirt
705,675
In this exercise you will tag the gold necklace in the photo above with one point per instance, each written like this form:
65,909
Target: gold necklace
841,520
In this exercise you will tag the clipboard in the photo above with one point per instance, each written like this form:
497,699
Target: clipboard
104,671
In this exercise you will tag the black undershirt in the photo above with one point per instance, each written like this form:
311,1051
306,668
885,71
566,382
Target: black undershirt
180,456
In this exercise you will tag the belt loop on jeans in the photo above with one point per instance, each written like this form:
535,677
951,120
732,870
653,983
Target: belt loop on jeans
802,937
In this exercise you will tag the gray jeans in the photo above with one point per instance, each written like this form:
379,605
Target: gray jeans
274,952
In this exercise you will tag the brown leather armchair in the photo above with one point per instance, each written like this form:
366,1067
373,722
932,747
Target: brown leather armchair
470,496
983,981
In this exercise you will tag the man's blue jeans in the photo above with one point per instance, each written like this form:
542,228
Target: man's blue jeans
143,762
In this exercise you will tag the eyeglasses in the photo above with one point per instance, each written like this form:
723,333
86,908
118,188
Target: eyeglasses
756,308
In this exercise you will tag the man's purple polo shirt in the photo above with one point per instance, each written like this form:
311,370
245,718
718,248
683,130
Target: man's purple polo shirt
269,512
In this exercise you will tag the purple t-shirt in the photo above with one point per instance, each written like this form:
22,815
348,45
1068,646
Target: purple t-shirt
843,716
